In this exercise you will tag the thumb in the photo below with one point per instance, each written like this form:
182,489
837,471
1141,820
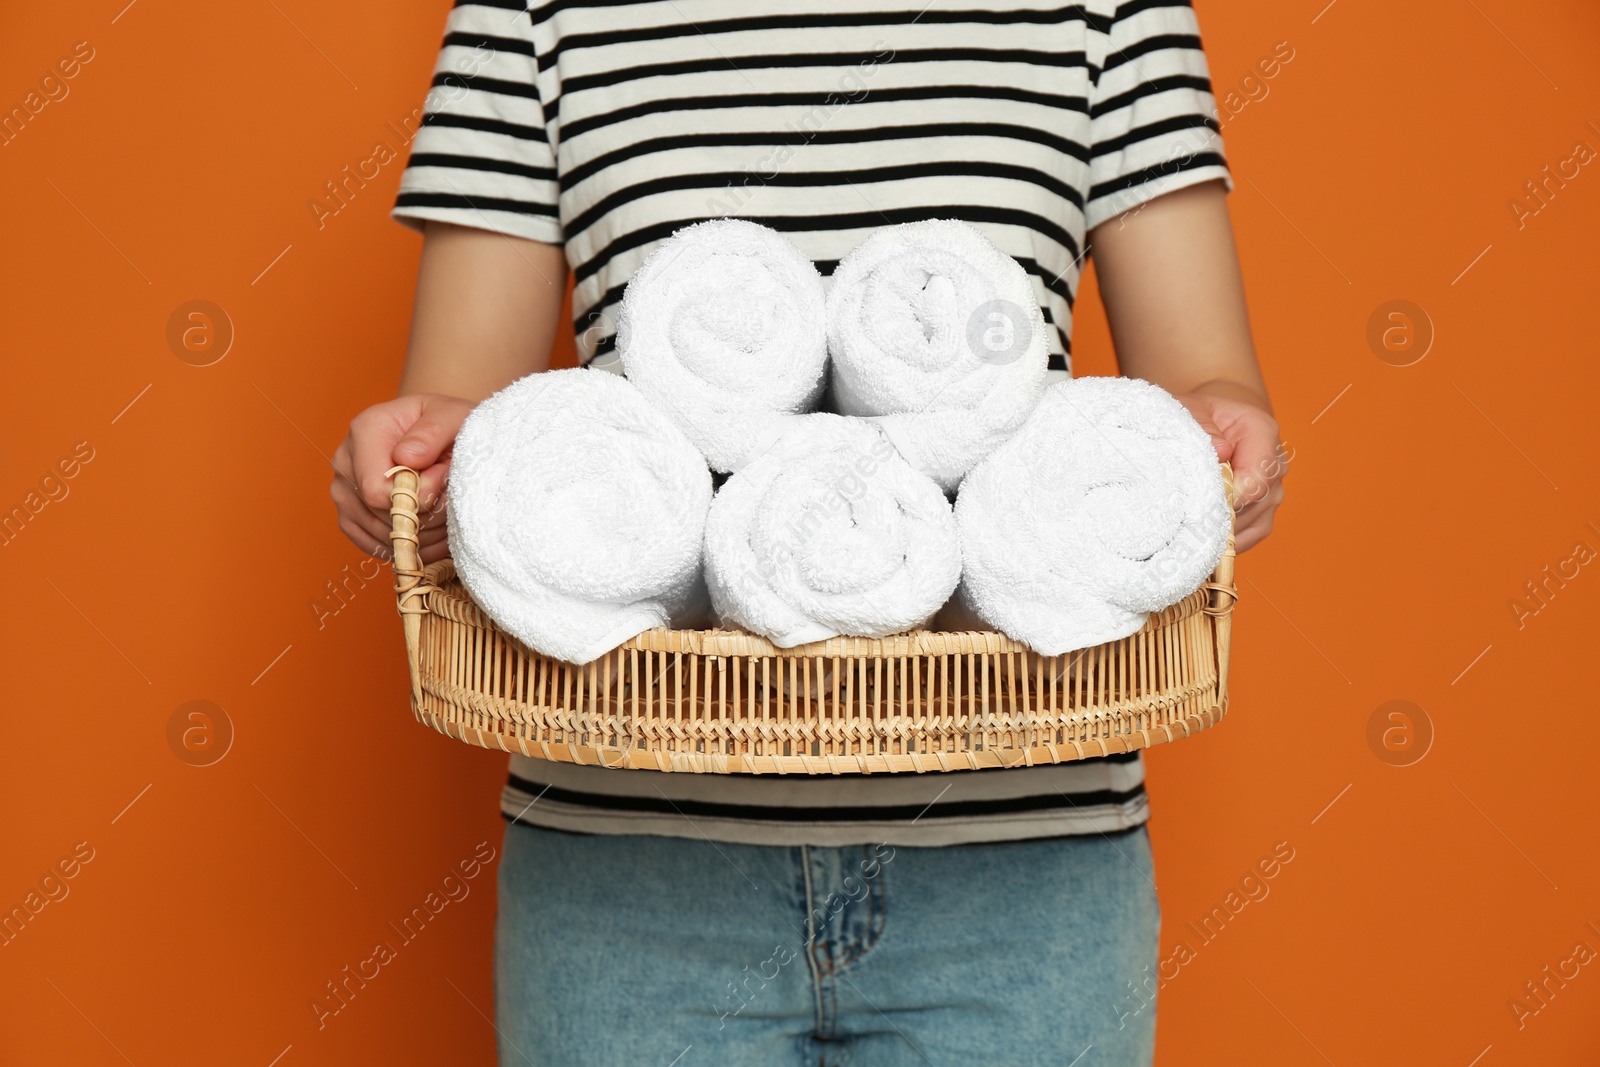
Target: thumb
1203,411
1219,440
428,437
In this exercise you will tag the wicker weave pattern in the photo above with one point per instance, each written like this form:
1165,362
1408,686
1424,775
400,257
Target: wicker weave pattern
727,702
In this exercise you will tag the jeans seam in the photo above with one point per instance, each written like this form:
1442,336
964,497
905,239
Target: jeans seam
820,1024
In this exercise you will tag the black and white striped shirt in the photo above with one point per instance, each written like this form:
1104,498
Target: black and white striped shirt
605,125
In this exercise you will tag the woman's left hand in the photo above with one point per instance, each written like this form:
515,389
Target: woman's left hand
1245,437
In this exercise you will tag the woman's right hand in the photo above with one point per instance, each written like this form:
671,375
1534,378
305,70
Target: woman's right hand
416,431
485,314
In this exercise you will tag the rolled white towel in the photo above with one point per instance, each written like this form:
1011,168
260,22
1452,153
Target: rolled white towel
576,513
1107,504
722,328
937,333
830,533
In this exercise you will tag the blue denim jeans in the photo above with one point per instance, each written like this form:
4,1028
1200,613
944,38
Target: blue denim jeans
648,951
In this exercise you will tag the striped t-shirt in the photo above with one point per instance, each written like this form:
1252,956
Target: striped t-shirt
604,126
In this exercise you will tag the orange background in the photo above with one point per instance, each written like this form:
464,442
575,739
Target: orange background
184,562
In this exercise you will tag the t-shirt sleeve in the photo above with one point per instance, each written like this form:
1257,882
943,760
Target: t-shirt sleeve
482,157
1152,118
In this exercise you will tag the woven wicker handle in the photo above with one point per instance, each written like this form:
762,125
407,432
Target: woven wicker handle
1224,593
1230,489
409,587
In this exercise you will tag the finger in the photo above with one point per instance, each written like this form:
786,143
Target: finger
1256,458
429,548
347,497
1246,530
1268,501
1254,484
363,538
1253,535
1251,513
1252,525
1255,471
429,522
1248,490
430,490
344,464
436,524
430,435
372,527
348,500
380,527
373,434
435,517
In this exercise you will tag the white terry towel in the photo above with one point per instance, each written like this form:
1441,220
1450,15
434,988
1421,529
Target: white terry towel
576,513
830,532
1107,504
722,328
938,333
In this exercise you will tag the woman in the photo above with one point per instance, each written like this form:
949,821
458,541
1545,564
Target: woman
987,916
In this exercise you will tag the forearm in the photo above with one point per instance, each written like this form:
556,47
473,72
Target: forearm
1169,277
486,312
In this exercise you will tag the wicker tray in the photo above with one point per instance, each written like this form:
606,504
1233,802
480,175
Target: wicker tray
724,701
